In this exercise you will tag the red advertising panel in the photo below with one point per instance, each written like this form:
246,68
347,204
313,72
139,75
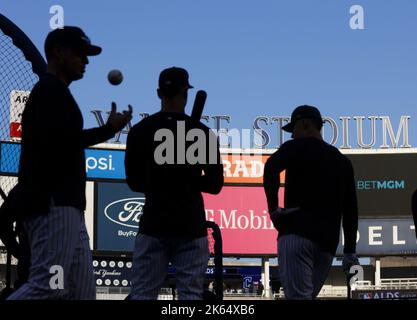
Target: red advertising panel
245,169
15,130
242,215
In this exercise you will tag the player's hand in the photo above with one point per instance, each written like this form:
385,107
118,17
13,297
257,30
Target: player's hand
119,120
277,214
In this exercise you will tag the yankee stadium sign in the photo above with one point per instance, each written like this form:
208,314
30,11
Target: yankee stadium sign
359,131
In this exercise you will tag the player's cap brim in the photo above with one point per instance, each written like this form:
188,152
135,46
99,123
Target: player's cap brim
289,127
93,50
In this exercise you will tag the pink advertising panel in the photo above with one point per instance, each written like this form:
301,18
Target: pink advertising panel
242,215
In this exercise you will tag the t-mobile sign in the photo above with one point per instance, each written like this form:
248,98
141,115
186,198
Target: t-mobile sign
242,215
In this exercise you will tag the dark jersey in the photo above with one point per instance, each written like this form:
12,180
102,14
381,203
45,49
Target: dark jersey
52,161
320,181
159,167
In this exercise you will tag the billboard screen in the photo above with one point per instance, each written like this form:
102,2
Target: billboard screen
385,183
245,168
99,163
105,164
118,211
240,212
378,237
242,215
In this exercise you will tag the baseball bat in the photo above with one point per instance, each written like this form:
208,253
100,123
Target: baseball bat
199,102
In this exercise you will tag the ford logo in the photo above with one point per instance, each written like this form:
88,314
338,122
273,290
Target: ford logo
126,212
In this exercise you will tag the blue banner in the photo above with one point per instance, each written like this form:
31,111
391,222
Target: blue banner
378,237
108,164
99,163
117,217
10,156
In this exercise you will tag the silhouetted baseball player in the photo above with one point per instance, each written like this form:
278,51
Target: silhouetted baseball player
52,174
173,225
319,193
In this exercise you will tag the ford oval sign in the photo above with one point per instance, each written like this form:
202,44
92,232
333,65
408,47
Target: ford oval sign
126,212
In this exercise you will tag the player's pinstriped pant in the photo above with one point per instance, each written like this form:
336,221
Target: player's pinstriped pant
150,266
303,267
58,239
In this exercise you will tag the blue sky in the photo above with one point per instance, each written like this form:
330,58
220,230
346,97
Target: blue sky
252,57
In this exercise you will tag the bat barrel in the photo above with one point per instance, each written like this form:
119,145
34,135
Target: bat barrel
199,102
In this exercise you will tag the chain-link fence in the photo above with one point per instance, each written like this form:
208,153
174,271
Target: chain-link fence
20,67
18,60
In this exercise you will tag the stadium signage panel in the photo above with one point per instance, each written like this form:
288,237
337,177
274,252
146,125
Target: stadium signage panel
107,164
384,237
112,273
384,183
266,126
385,294
335,131
241,213
118,210
245,169
18,99
99,163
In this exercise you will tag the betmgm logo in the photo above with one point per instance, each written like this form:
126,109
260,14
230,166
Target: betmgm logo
380,184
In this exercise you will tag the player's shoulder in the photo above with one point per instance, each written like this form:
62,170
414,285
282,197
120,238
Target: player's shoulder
284,149
338,155
289,145
50,82
145,122
199,124
335,151
192,123
148,123
45,93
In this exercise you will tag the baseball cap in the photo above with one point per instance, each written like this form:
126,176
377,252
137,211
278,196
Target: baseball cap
174,78
71,37
302,112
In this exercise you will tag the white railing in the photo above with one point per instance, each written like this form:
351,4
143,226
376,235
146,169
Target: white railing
106,293
400,282
394,283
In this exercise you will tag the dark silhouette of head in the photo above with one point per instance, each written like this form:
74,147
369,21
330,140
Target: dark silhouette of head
306,121
67,52
173,89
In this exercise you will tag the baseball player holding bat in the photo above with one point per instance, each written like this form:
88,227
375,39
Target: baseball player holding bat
172,228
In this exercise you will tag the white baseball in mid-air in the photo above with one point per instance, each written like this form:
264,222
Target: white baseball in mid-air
115,77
